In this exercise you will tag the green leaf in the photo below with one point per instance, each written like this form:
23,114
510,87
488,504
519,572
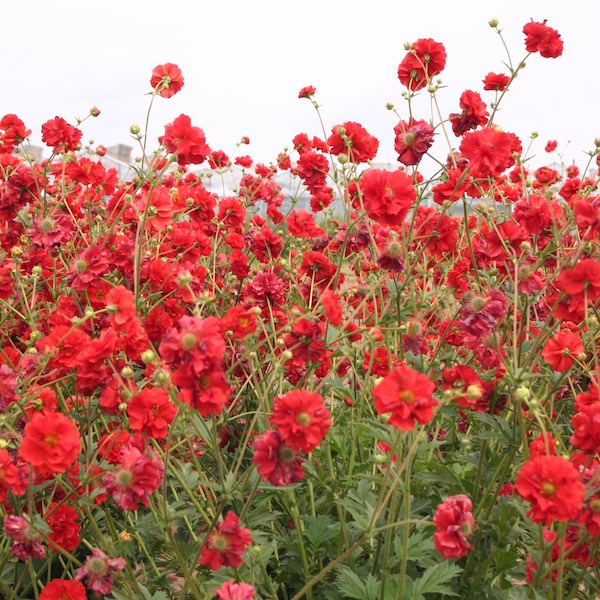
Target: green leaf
435,580
319,529
354,586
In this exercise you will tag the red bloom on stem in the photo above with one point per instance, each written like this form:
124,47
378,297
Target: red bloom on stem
51,443
225,546
185,141
166,80
583,277
543,39
151,412
407,396
353,140
301,419
413,140
61,136
454,525
63,521
489,151
426,59
27,540
495,82
63,589
276,462
474,113
12,132
480,316
387,196
9,475
307,91
464,384
586,428
561,351
552,485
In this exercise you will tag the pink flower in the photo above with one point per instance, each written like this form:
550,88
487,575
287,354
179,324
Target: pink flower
235,591
454,524
98,571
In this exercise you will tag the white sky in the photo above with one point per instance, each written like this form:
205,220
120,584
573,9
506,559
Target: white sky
245,61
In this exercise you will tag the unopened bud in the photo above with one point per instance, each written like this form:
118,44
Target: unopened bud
148,356
135,129
493,23
522,393
126,372
390,105
95,111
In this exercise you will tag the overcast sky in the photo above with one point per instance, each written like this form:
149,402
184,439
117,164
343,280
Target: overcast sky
244,62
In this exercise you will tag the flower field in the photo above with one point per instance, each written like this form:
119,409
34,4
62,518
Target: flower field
380,384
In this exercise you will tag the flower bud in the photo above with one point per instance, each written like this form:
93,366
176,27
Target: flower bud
95,111
148,356
135,129
493,23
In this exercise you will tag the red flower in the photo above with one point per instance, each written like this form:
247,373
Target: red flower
51,443
151,412
550,145
301,419
454,525
9,475
63,521
407,396
27,540
61,136
12,132
225,546
495,81
464,384
586,429
474,113
307,91
543,39
120,302
584,276
489,151
413,140
426,59
167,80
561,351
387,196
552,485
277,463
353,140
63,589
185,141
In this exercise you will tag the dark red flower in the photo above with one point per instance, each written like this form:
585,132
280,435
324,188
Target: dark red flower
454,525
225,546
63,521
276,462
166,80
413,140
474,113
98,571
307,91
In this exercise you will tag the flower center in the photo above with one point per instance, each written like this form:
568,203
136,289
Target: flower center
188,341
547,489
287,455
595,505
97,567
303,419
51,439
406,396
219,542
81,266
124,478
